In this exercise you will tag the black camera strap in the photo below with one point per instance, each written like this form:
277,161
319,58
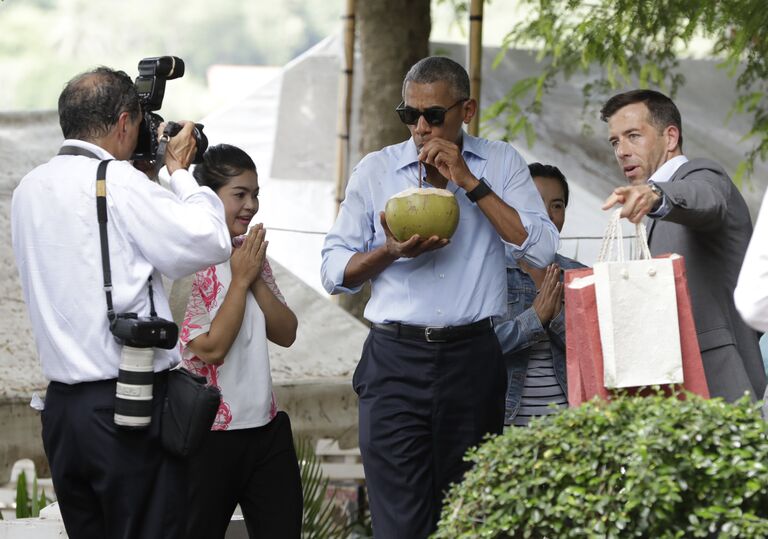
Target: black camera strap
77,150
101,212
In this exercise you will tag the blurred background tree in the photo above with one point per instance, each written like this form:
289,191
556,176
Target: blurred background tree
388,50
43,43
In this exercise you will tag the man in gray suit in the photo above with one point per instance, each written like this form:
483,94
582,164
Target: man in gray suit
696,211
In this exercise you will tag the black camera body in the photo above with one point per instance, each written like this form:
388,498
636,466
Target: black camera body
150,85
144,332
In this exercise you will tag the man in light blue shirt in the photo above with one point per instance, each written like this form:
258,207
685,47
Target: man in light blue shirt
431,379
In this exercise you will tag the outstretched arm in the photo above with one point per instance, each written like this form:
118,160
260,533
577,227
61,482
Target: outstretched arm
699,203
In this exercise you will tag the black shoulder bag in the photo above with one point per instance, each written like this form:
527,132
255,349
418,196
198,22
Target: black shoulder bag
190,404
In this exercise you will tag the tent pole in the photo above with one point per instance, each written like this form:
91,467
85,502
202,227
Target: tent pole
345,103
475,59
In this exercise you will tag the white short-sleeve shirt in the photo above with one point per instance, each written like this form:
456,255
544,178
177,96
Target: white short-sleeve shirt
244,377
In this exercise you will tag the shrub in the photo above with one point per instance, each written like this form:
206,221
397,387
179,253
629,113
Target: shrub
321,519
635,467
26,506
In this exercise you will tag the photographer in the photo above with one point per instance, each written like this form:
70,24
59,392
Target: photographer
110,481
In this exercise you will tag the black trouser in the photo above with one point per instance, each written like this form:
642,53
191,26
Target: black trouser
422,405
110,482
256,468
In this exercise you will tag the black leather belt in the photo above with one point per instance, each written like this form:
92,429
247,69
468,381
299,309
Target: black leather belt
436,333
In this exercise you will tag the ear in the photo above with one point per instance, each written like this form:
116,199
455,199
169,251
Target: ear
470,109
122,123
672,134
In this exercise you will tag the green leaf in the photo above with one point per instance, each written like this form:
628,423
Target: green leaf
321,519
35,501
634,467
22,497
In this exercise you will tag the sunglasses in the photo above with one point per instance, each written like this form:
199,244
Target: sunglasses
433,115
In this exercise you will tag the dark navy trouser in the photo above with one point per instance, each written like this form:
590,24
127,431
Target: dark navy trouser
421,406
111,483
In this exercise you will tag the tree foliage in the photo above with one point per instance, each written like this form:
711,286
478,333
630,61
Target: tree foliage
321,519
44,43
639,43
635,467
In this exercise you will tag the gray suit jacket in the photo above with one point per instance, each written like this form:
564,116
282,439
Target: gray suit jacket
709,225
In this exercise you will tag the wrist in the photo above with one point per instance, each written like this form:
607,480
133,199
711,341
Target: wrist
542,316
239,284
658,196
477,190
389,253
469,184
172,167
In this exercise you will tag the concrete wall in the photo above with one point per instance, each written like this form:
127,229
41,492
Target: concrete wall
20,427
319,408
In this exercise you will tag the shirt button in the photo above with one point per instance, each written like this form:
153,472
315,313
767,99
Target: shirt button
442,275
439,311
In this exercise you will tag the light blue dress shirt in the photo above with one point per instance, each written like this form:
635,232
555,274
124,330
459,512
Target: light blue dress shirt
460,283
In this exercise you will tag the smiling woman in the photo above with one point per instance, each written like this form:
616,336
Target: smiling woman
233,309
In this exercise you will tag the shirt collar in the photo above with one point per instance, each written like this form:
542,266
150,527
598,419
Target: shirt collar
470,145
668,169
98,150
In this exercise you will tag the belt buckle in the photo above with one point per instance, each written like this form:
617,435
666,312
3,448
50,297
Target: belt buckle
428,334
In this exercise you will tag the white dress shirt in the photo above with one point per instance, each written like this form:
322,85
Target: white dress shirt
460,283
664,174
151,230
751,294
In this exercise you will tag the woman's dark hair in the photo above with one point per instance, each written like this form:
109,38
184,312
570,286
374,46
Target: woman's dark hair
220,164
550,171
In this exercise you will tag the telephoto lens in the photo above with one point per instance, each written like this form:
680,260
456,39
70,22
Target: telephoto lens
133,399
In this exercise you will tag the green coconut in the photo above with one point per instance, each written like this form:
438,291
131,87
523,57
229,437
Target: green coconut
424,211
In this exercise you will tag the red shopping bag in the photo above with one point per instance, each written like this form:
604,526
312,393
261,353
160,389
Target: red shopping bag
584,356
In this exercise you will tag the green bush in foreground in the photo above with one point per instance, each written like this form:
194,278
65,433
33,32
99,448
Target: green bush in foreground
635,467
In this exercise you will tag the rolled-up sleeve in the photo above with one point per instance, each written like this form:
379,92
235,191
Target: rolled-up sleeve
520,332
351,233
519,192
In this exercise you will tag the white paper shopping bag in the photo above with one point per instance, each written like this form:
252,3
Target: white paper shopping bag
637,315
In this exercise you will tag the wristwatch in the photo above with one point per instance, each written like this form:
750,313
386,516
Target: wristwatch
479,192
659,193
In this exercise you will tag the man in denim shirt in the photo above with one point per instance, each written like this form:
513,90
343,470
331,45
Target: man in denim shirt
532,333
